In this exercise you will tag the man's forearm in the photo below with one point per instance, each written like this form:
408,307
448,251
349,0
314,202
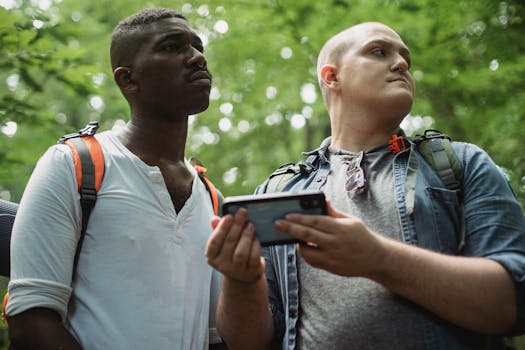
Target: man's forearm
40,329
243,317
473,293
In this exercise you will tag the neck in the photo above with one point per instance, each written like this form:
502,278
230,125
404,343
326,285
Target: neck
360,132
357,141
153,140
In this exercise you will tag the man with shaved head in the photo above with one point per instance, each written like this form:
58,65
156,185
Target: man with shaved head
141,281
385,269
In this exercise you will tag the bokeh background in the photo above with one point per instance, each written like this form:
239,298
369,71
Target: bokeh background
468,60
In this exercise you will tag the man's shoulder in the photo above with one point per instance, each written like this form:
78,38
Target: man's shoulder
107,139
296,173
472,155
113,149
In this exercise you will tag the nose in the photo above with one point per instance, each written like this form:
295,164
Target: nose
400,64
197,59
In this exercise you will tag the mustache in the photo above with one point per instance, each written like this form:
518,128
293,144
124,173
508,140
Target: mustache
198,72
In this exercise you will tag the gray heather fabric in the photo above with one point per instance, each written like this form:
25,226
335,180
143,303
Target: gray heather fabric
356,313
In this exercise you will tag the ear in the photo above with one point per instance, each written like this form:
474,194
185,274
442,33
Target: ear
124,79
328,75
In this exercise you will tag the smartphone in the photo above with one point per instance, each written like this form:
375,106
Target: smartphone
265,209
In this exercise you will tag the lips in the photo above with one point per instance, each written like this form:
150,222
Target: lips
398,79
200,77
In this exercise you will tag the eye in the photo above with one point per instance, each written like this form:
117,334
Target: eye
378,52
170,47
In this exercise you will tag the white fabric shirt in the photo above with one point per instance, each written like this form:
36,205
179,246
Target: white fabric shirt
142,278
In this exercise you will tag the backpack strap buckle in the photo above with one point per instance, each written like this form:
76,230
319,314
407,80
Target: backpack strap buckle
305,167
430,134
89,130
88,195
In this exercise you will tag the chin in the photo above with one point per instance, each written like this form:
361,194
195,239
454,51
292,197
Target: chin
198,108
402,103
396,112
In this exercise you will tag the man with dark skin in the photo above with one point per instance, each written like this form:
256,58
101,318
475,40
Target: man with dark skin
135,284
374,276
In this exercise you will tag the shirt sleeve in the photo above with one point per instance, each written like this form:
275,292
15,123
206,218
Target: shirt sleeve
45,236
494,221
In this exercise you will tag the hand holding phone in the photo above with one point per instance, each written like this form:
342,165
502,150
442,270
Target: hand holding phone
265,209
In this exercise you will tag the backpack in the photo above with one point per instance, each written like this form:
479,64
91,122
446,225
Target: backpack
434,146
88,159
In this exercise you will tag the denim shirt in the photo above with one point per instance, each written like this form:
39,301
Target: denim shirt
493,222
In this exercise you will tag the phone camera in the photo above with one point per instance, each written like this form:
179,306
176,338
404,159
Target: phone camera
309,203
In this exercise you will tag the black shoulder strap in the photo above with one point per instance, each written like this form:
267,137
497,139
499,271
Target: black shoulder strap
280,177
88,193
90,157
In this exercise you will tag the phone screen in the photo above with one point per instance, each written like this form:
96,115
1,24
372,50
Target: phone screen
264,210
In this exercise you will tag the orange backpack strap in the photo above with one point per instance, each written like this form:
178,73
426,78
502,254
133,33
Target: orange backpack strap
88,159
215,194
4,304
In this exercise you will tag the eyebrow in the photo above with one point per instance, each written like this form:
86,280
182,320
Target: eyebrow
178,37
171,36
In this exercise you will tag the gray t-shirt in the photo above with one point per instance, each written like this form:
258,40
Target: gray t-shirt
356,313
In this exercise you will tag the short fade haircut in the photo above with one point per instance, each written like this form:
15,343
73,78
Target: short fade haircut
124,44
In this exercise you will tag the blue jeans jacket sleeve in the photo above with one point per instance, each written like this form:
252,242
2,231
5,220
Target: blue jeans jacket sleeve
275,300
274,297
494,219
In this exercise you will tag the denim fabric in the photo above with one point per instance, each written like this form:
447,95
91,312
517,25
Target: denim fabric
493,220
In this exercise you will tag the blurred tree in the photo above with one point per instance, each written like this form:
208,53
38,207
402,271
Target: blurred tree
43,77
265,108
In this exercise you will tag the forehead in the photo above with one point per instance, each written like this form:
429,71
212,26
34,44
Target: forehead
361,35
166,27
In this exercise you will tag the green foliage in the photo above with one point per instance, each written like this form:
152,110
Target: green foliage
39,66
467,60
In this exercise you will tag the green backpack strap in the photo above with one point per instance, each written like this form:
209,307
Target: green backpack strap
436,149
280,177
